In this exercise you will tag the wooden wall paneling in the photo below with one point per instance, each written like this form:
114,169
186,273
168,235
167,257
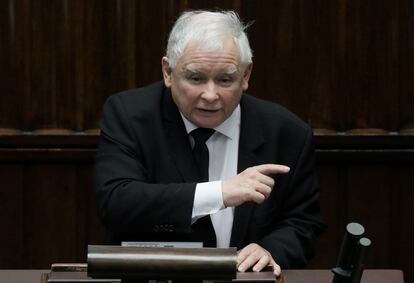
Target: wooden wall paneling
76,67
401,231
77,21
310,58
94,54
369,193
90,230
338,51
406,63
12,251
371,65
294,63
90,226
50,99
119,18
82,196
50,218
352,189
42,28
319,62
329,241
64,102
13,62
151,39
272,40
213,5
339,65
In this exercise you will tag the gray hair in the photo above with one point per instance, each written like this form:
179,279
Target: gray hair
209,30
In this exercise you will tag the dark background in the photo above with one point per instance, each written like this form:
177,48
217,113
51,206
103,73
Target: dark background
344,66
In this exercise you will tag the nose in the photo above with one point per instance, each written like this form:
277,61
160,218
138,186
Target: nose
210,92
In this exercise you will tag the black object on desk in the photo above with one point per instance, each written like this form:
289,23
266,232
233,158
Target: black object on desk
354,249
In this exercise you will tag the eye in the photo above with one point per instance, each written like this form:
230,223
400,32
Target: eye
225,81
195,79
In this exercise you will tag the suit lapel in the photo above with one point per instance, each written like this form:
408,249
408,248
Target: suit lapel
250,143
177,136
183,157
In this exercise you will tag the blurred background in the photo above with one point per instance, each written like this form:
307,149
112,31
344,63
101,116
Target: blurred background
344,66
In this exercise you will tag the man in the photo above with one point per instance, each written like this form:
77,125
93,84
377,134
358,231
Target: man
258,190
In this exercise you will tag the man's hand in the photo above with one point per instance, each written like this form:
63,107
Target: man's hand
255,257
253,184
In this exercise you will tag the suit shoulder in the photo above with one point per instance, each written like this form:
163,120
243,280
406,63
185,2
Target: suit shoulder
137,100
271,111
148,94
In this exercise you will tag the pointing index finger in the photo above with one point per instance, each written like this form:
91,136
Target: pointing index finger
269,168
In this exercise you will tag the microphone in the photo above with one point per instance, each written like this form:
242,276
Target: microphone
359,259
352,254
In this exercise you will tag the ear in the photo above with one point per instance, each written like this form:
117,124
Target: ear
246,76
166,71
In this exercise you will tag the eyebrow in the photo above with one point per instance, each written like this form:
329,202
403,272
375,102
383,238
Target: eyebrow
188,71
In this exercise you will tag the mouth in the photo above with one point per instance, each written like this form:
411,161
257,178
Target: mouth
208,111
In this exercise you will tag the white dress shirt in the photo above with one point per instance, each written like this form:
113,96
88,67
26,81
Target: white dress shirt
223,147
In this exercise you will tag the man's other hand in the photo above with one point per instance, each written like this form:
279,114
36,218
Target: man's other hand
253,184
255,257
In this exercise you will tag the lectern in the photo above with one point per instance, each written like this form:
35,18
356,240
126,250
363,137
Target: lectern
118,264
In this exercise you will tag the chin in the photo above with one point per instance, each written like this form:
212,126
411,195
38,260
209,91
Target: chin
208,124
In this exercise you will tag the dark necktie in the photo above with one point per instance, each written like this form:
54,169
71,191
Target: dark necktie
203,229
200,150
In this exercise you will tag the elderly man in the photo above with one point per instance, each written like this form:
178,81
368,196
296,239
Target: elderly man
194,158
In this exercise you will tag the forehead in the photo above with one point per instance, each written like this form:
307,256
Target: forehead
196,57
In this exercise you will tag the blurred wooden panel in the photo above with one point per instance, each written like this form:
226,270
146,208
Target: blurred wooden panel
51,210
337,64
47,53
331,201
372,65
235,5
369,195
293,43
273,75
406,62
334,63
401,230
11,65
91,230
51,225
12,252
150,36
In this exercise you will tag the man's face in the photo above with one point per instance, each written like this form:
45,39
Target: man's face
207,85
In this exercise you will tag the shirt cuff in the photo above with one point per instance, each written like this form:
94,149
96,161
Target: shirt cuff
208,199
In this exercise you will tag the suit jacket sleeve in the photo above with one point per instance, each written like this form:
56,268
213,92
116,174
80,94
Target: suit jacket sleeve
130,201
298,222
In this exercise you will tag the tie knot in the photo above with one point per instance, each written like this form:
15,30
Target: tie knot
201,135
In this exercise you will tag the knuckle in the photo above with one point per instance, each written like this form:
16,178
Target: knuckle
266,258
260,198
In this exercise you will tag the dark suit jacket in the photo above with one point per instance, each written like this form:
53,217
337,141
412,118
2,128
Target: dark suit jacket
146,176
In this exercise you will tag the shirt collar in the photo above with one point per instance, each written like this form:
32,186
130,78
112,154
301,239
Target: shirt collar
227,128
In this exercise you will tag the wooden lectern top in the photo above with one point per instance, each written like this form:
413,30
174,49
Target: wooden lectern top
290,276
